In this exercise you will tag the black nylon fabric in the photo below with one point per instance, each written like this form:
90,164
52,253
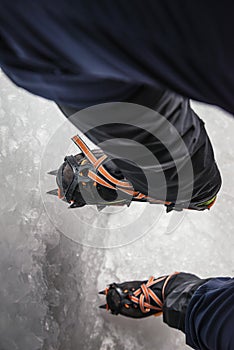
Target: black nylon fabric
175,109
179,293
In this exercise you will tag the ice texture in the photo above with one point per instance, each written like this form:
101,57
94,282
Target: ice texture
49,283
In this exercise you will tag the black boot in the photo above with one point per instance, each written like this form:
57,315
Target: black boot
167,295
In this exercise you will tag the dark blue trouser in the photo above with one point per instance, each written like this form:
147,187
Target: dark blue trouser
82,53
210,316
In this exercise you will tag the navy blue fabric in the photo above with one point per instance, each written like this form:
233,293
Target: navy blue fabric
81,53
210,316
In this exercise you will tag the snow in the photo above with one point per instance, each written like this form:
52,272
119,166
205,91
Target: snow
54,261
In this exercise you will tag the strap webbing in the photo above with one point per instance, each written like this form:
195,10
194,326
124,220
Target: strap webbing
112,183
144,294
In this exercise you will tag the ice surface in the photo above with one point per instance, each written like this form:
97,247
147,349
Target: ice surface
49,283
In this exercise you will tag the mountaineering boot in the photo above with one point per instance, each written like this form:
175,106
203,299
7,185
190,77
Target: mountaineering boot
168,295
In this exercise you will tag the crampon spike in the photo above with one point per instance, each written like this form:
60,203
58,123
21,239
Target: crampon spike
53,192
100,207
53,172
102,292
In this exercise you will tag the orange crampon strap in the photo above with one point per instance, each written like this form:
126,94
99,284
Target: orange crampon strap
144,294
112,182
97,163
